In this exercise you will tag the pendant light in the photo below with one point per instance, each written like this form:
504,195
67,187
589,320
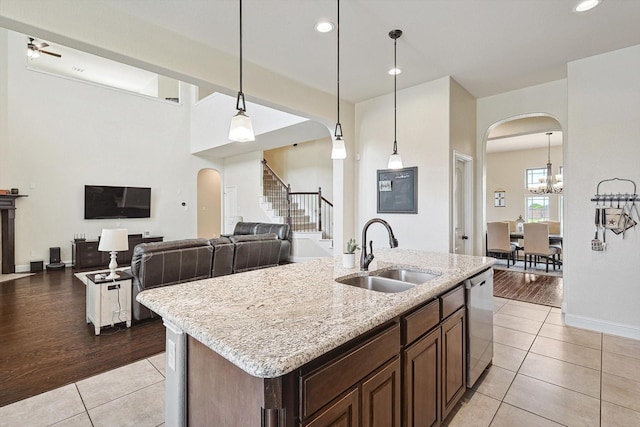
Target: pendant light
339,150
241,129
395,161
550,184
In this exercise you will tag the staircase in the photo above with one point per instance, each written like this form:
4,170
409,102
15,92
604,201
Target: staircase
309,215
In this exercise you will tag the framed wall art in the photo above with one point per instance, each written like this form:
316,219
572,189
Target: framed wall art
398,190
499,200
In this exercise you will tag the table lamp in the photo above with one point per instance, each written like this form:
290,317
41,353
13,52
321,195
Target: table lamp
113,240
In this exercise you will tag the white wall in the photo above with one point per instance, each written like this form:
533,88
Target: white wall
423,141
463,141
506,170
62,134
604,127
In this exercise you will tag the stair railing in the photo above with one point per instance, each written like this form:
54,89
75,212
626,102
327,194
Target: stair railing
304,211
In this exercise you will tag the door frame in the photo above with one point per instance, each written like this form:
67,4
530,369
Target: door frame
468,201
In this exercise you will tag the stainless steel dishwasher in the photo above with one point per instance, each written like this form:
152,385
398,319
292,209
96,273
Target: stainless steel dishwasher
479,293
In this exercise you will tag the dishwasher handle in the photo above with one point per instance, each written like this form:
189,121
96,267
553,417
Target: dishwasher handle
479,279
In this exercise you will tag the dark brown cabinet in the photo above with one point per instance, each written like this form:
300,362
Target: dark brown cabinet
85,253
453,361
373,368
434,365
344,413
409,372
380,396
422,380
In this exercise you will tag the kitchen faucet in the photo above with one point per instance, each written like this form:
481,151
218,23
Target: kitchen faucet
366,258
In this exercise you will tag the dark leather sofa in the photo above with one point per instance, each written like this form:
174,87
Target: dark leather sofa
258,228
167,263
254,246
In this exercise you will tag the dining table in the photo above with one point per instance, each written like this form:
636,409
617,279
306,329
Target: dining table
553,238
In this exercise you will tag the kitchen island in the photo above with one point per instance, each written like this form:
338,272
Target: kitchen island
246,348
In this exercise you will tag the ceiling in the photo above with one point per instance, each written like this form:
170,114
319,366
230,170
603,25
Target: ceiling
488,46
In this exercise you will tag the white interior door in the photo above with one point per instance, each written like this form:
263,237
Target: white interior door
230,208
462,204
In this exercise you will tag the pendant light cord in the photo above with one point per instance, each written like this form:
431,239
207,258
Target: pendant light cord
338,131
338,70
395,91
240,105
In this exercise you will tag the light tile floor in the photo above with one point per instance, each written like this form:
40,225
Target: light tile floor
132,395
543,374
547,374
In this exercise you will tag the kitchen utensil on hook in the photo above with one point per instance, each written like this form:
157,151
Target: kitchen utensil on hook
596,244
603,221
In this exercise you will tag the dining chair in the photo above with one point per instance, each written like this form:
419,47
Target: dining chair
498,241
514,240
536,245
554,227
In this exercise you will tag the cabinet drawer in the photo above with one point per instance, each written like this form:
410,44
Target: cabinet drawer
321,386
451,301
420,321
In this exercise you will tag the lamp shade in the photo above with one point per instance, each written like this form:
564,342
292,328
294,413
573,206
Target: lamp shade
115,239
241,129
395,161
338,152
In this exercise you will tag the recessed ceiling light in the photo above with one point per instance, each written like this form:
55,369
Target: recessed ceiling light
324,27
394,71
585,5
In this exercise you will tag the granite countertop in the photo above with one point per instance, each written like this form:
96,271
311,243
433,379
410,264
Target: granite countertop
271,321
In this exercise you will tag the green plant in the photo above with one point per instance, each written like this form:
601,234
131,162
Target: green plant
352,246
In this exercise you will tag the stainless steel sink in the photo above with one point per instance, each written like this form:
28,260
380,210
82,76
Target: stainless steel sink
404,275
377,283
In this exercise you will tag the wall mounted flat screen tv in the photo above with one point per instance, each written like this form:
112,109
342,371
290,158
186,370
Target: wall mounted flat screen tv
105,202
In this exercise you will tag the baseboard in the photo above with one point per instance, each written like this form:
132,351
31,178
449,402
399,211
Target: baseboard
604,326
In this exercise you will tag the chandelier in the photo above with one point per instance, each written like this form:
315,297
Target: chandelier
549,184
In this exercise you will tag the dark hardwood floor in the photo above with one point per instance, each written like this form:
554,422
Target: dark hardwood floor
528,287
46,343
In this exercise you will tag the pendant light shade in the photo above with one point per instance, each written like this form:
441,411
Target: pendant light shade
241,129
339,151
395,161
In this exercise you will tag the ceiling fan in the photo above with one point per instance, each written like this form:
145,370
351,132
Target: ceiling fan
35,49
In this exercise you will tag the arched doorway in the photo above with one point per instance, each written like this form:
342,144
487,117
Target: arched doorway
516,153
209,203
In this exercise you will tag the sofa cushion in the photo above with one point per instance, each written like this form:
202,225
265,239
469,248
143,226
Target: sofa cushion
254,254
222,256
219,241
282,230
253,237
245,228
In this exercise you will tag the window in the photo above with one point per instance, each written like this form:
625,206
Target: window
535,175
537,208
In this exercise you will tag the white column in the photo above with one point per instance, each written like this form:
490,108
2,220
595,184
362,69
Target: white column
176,376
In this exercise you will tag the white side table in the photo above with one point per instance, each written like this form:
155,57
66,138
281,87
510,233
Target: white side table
108,301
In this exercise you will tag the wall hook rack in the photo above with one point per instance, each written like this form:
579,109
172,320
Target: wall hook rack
617,219
615,197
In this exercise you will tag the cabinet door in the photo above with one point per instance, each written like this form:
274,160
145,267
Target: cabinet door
381,397
453,361
343,413
422,367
